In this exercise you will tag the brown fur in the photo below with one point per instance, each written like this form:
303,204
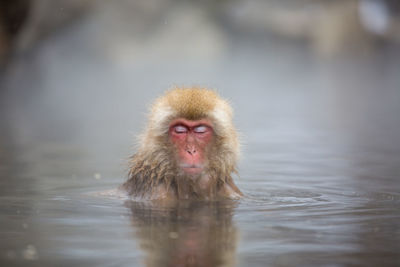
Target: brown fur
192,103
154,165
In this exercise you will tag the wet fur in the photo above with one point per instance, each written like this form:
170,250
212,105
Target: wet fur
155,164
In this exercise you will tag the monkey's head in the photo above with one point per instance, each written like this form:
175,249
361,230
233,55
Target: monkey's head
194,127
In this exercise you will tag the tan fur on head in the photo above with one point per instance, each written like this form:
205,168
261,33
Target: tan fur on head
152,163
192,104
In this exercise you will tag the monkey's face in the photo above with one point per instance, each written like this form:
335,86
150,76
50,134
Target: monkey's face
191,139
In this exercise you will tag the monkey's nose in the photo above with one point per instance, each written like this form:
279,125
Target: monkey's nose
191,150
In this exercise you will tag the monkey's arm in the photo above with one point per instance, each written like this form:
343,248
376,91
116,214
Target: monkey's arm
230,190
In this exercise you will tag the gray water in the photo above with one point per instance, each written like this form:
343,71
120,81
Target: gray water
320,164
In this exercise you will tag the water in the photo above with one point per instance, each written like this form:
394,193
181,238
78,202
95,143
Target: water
312,198
320,165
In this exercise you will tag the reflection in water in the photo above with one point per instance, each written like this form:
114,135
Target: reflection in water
186,234
321,160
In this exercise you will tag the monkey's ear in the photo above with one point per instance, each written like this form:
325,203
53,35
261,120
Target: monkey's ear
160,116
222,117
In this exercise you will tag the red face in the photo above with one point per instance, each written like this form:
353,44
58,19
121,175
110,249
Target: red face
191,139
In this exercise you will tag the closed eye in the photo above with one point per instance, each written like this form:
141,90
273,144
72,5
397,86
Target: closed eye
200,129
180,129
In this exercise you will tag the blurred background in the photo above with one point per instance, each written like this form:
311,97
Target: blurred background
315,85
85,71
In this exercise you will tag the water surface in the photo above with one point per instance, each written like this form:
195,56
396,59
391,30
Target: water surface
320,166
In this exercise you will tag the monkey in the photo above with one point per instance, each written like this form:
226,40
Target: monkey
189,149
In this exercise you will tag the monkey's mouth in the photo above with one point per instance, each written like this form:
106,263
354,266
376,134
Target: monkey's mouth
192,168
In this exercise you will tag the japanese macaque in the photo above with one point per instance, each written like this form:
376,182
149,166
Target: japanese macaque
189,149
